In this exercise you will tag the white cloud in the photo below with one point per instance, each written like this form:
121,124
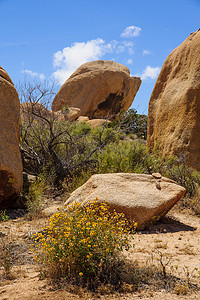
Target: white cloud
129,61
150,72
34,74
70,58
146,52
129,45
130,50
120,49
67,60
131,31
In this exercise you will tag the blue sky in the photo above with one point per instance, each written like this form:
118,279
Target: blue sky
47,38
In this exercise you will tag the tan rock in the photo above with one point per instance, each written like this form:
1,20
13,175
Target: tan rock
156,175
58,115
136,195
71,114
98,122
33,111
11,174
49,211
5,75
174,107
83,119
99,88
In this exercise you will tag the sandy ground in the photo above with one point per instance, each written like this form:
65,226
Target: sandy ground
174,242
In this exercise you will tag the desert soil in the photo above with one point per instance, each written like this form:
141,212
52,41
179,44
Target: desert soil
176,238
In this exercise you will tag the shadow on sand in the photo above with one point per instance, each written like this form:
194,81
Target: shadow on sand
167,224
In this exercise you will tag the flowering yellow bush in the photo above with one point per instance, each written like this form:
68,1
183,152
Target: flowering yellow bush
82,243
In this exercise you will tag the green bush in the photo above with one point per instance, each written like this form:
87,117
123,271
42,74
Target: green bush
65,108
128,156
133,157
3,216
132,122
83,245
62,149
70,152
34,197
185,176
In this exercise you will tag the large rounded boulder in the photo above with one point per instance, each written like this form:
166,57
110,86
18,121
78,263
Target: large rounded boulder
11,175
174,107
101,89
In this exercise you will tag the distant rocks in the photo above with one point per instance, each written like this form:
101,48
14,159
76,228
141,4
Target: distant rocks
33,111
94,122
142,198
36,111
70,114
101,89
98,122
174,107
30,112
83,119
11,174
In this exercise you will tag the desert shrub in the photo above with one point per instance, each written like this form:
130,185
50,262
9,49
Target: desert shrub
185,176
62,149
6,261
79,129
84,245
132,122
70,153
3,216
129,156
34,197
65,108
133,157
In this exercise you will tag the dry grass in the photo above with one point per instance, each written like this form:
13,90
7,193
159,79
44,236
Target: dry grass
161,246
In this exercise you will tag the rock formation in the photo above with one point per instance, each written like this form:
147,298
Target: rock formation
174,107
142,198
11,175
36,111
33,111
98,122
71,114
83,119
101,89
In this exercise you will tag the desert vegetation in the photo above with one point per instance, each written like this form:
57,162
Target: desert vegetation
84,248
66,153
83,245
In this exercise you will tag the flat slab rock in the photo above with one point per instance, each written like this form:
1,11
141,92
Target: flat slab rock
142,198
